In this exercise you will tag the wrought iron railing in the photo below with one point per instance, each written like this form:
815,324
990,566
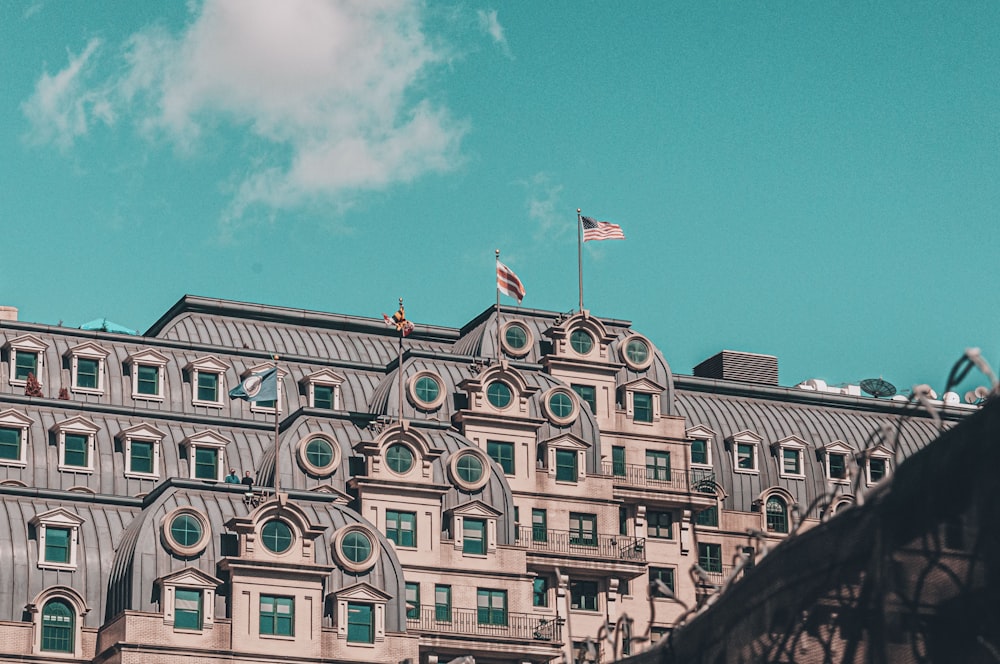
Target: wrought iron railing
591,545
506,624
636,475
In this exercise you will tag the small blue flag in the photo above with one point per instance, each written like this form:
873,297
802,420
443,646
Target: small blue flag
261,386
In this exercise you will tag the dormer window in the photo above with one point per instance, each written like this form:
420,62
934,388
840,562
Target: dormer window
208,381
499,394
581,342
58,535
701,448
399,458
790,452
141,446
744,446
57,614
186,531
26,357
87,368
188,598
426,391
878,464
76,439
148,379
206,455
319,455
565,458
775,503
837,454
560,406
266,406
642,407
13,438
475,527
355,548
360,614
642,400
322,389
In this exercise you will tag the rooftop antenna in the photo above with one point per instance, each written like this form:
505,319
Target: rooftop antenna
878,387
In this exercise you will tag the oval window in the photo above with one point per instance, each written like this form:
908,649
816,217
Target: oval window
186,530
276,536
499,394
399,458
427,389
516,336
469,468
356,547
319,452
561,405
581,341
637,351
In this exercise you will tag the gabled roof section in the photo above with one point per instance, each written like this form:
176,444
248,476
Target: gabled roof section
57,517
475,509
87,349
363,592
27,342
191,577
207,363
142,431
149,356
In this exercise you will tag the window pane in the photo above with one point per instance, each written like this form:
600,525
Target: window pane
699,451
208,386
777,515
539,526
516,337
583,529
206,463
276,536
499,394
566,469
148,379
660,525
57,543
141,459
618,461
360,623
25,363
399,458
277,615
427,389
319,452
186,530
86,373
76,450
412,600
356,547
583,595
561,404
503,454
838,466
710,557
876,469
187,608
745,456
657,465
401,527
469,468
642,407
442,603
663,574
709,517
57,626
587,394
540,591
791,462
491,607
323,396
10,443
581,341
474,536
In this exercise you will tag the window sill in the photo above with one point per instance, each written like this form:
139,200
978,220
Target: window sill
146,397
785,476
142,476
208,404
76,469
63,567
277,637
833,480
17,463
96,391
746,471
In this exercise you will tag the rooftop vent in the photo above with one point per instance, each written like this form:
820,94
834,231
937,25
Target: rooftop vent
744,367
8,313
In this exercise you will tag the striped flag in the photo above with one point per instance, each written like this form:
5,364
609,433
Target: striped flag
508,283
600,230
398,321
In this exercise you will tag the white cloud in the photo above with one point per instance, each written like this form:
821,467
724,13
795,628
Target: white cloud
334,87
489,24
545,209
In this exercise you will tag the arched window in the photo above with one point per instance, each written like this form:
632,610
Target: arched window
776,511
58,624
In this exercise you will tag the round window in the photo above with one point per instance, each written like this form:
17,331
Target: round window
516,336
356,546
318,455
581,341
319,452
499,394
427,389
276,536
399,458
185,531
636,353
469,468
561,404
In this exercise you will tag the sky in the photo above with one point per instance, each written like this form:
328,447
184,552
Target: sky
811,180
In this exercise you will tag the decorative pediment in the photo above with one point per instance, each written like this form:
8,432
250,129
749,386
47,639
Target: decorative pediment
582,320
27,342
78,424
475,509
566,441
206,439
837,447
341,498
792,442
362,592
148,356
258,368
143,432
700,431
501,371
57,517
323,377
781,492
744,436
14,419
398,433
87,349
190,577
643,385
209,364
881,452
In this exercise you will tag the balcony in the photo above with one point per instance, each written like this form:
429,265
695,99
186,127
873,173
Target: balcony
639,481
469,622
622,554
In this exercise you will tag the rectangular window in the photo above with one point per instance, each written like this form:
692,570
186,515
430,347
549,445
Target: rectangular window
57,543
187,608
206,463
745,457
442,603
566,470
838,466
141,457
77,448
25,363
699,451
657,465
360,623
642,407
539,526
876,469
588,395
401,527
277,615
710,557
791,461
583,595
473,536
540,591
622,520
624,587
491,606
709,517
208,386
148,379
665,575
323,396
503,454
87,373
10,444
412,600
618,461
583,529
660,525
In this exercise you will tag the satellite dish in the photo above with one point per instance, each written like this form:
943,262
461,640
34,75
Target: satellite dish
981,392
878,387
977,395
970,397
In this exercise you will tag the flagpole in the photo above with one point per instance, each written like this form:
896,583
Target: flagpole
497,269
399,367
579,252
277,403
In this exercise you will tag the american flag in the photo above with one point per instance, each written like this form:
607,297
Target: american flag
601,230
508,283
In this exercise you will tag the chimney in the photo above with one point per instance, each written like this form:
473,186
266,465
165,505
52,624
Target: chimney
737,365
8,313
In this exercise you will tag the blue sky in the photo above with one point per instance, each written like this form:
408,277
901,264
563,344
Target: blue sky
816,181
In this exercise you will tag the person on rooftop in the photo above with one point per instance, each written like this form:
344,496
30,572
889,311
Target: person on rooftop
232,477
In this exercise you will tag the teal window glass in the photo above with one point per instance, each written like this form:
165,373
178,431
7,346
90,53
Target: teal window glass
876,469
276,536
187,608
412,600
319,452
583,595
442,603
25,363
87,373
356,547
582,529
141,456
540,591
622,520
503,454
539,526
360,623
399,458
206,463
57,545
699,451
581,341
710,557
516,336
58,624
642,407
710,516
186,530
491,606
401,527
791,461
277,615
637,351
745,456
427,389
658,465
838,466
474,536
208,386
566,465
469,468
77,450
561,405
323,396
776,512
499,394
147,379
664,574
10,443
588,395
660,525
618,461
